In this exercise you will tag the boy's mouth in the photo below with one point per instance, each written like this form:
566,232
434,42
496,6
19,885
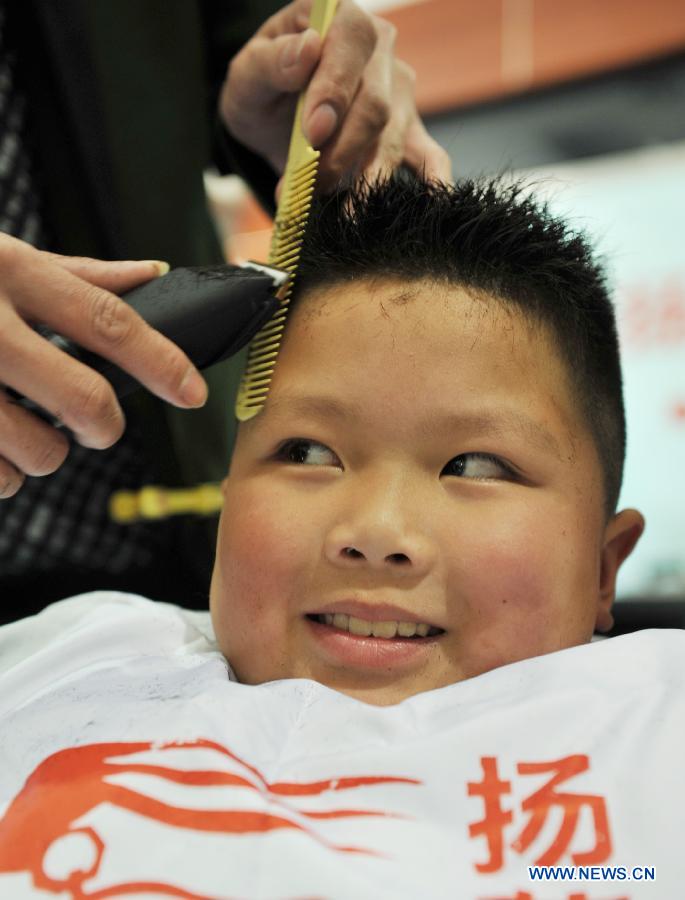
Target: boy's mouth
387,630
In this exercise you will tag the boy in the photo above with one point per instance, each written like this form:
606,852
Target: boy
443,444
424,511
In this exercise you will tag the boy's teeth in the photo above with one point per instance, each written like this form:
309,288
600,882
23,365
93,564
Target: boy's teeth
359,626
377,629
340,620
383,629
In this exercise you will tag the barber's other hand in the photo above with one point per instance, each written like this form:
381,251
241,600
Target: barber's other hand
75,297
359,107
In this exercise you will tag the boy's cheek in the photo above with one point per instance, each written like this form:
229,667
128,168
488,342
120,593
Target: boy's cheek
263,549
510,612
524,575
249,589
260,526
505,579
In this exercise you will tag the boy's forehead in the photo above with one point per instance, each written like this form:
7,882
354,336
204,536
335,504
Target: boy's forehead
389,292
458,308
385,326
456,354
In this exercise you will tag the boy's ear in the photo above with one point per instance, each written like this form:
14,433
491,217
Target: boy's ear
620,537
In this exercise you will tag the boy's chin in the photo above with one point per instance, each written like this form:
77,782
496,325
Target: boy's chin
380,695
357,686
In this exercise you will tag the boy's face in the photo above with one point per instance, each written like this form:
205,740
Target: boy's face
419,459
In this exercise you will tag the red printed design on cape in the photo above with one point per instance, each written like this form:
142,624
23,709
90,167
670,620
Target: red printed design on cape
72,782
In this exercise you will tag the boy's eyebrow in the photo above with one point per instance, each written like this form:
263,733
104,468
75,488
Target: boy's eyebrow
494,421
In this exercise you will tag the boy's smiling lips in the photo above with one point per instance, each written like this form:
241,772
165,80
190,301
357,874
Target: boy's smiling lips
373,612
340,647
352,651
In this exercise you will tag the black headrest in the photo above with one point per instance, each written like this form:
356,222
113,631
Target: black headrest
636,613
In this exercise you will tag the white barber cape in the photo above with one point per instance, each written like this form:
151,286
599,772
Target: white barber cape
132,764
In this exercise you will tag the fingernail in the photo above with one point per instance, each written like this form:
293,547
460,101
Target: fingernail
161,267
321,125
193,388
293,50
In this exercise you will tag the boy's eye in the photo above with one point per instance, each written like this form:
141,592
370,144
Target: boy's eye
304,451
477,465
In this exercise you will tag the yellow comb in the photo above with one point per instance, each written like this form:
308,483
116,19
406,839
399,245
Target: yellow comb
284,253
291,218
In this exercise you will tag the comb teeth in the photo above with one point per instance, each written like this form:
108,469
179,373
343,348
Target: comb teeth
284,253
291,218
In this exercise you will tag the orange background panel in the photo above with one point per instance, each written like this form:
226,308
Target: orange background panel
465,51
454,46
592,36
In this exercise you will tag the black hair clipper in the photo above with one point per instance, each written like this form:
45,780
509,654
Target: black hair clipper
210,312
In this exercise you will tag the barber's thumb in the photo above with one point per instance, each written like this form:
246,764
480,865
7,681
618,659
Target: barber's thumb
117,276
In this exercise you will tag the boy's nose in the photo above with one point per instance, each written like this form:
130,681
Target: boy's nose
390,548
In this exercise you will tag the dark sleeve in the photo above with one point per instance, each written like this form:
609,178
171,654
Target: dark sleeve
228,26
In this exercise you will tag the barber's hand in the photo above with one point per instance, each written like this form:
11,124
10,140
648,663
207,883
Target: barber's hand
359,107
75,297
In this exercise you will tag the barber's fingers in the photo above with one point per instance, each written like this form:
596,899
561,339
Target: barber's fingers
425,155
347,51
117,276
269,67
363,134
75,394
98,320
359,107
287,20
11,479
283,58
260,93
378,127
71,296
405,140
28,446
